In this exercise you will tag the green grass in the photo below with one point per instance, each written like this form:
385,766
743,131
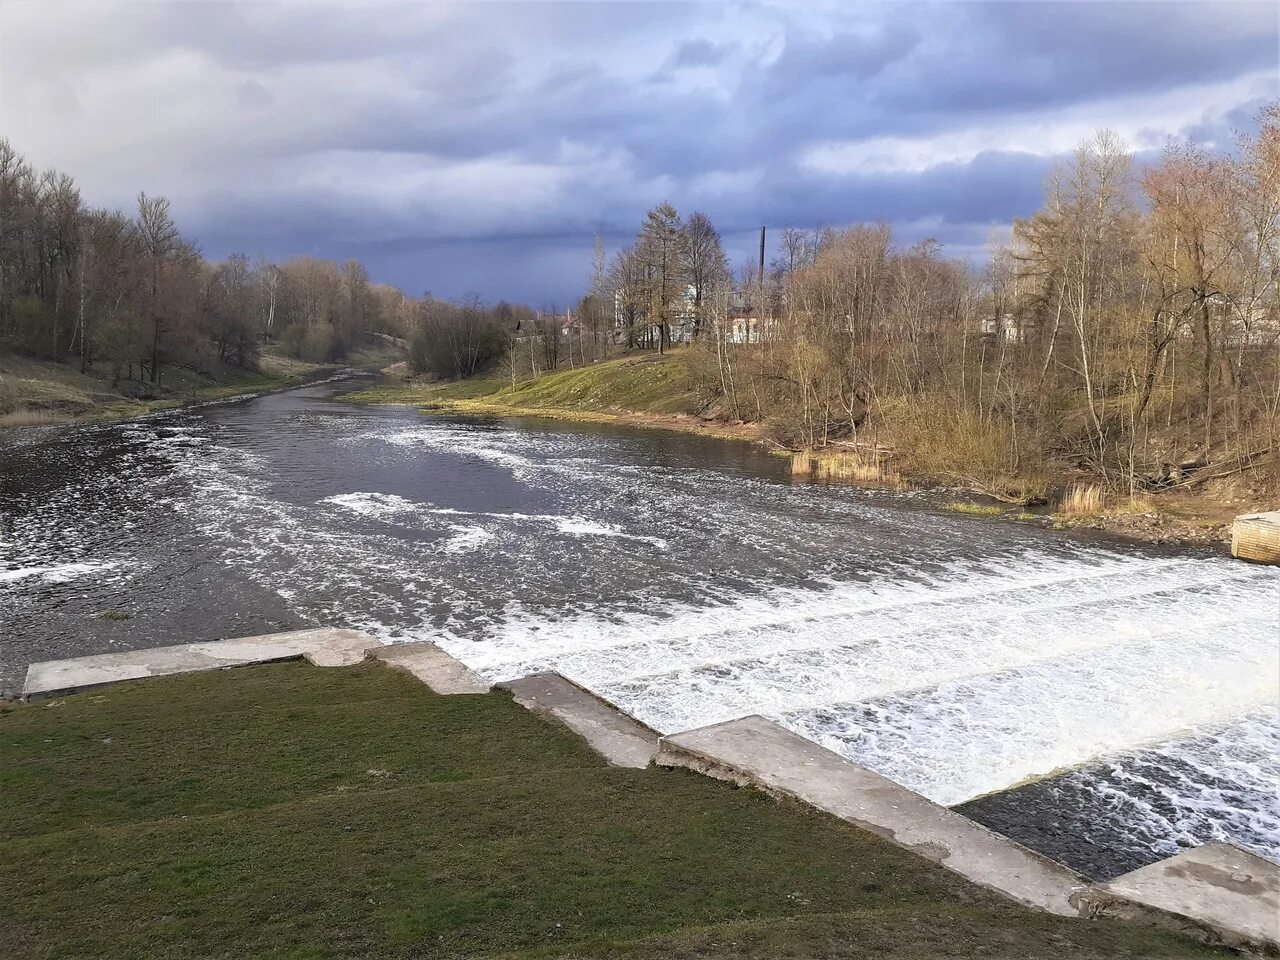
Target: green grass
644,384
290,811
974,509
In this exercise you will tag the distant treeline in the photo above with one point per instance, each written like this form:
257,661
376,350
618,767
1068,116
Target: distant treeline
125,294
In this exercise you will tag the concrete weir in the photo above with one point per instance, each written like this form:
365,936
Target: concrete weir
324,647
439,671
1256,537
758,752
1217,891
616,736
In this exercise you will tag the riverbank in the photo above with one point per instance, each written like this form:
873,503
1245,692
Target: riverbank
642,390
44,393
655,392
288,810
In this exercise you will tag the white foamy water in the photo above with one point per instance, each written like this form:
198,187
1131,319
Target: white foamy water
384,506
964,685
59,573
966,736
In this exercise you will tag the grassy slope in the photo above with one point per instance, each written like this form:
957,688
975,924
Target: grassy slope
288,811
35,391
40,391
646,385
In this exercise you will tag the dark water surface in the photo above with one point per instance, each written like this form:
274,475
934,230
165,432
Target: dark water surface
1101,703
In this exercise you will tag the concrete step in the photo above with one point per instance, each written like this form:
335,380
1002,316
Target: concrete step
753,751
437,669
324,647
1229,893
618,737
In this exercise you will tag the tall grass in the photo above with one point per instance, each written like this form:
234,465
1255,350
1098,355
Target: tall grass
802,464
840,466
850,466
1090,500
1083,500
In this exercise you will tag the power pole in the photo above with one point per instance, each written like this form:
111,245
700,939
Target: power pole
760,296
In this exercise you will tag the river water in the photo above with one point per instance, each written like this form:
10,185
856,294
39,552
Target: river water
1102,703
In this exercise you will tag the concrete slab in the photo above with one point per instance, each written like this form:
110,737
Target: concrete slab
618,737
1231,895
1256,537
324,647
758,752
437,669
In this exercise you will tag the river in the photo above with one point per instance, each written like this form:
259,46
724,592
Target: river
1103,703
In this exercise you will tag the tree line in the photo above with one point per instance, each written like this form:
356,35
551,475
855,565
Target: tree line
1130,327
126,295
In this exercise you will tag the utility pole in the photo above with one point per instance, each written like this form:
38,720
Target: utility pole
760,295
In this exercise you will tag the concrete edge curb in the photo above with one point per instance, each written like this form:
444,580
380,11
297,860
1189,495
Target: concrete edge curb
1216,925
1237,894
36,696
1141,896
320,646
1065,881
431,664
613,733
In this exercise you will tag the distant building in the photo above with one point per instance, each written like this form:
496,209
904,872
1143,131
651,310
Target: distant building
743,325
1005,326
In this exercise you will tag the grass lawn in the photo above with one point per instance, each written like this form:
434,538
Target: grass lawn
640,383
296,812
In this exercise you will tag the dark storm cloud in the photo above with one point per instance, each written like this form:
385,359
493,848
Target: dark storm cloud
699,53
1007,55
850,56
480,146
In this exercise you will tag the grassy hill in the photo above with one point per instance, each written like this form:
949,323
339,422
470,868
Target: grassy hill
34,392
295,812
643,383
639,389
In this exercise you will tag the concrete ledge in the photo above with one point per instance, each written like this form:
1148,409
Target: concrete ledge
324,647
618,737
437,669
753,751
1256,537
1216,892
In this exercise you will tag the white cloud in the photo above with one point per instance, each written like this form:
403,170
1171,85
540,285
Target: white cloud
1144,123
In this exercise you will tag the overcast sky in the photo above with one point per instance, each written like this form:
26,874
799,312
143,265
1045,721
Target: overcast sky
479,147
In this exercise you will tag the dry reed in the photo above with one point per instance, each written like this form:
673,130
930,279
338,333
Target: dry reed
841,466
802,464
1083,500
